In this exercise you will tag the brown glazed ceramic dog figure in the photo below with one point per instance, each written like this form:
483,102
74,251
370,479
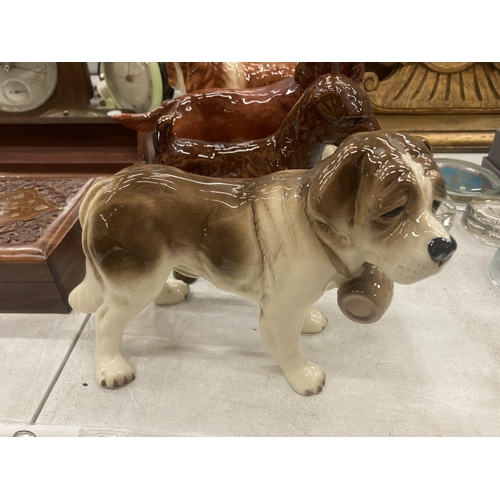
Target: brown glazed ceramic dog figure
332,108
280,240
188,77
237,115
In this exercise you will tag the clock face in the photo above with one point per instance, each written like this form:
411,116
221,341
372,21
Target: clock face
26,85
131,84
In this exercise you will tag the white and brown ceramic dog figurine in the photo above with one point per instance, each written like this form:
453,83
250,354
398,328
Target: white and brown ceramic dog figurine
281,240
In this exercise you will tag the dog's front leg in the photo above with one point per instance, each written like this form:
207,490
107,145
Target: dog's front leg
173,292
281,331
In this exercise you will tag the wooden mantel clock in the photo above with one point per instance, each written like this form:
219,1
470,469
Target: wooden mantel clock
32,88
47,123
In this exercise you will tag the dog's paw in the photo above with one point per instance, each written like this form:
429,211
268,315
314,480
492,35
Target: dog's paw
306,380
174,292
115,373
314,322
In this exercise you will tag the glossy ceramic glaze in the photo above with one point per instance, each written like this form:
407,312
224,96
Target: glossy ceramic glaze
331,108
188,77
281,240
237,114
366,297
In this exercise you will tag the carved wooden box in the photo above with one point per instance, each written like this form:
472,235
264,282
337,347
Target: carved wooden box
41,258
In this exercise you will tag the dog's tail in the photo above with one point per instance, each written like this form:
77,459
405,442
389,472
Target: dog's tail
87,297
145,122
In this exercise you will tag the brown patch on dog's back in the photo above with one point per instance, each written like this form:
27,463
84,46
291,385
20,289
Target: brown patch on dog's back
148,210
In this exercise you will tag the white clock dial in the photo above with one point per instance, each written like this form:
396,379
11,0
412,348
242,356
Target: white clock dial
26,85
131,84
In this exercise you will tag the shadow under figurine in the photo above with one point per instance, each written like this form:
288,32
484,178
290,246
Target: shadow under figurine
236,115
332,108
281,240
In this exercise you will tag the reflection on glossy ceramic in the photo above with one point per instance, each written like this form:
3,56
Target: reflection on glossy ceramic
236,115
329,110
359,220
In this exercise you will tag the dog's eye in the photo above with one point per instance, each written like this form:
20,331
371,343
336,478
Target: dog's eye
436,204
394,213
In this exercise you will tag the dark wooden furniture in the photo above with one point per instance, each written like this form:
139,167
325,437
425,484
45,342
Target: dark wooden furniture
67,144
52,162
41,258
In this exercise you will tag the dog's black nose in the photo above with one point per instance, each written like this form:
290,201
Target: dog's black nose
440,249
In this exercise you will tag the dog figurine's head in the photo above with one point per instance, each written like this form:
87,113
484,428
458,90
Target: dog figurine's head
307,72
333,108
377,197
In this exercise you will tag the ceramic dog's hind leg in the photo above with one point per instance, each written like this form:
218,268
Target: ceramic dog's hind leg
112,368
119,307
281,334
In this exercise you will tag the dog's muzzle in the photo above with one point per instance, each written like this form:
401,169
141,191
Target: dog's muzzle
441,250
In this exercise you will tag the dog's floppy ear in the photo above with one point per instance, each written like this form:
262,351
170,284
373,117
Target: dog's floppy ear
333,192
162,134
426,143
